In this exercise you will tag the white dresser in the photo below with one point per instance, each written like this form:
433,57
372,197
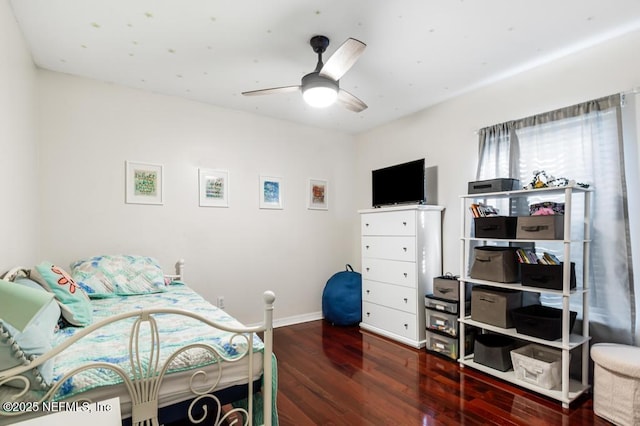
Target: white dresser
401,254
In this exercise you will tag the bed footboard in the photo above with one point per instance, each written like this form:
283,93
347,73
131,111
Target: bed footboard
149,364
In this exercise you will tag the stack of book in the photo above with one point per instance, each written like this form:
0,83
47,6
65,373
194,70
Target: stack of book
483,210
528,256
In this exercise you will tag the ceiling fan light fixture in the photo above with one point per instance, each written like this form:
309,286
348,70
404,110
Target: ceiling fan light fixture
319,92
320,97
321,87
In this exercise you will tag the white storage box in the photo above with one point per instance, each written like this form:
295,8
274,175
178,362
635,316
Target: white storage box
616,383
538,365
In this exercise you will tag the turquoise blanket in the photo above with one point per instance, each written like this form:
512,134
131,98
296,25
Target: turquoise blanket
258,412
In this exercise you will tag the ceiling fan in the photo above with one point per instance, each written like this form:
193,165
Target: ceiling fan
321,87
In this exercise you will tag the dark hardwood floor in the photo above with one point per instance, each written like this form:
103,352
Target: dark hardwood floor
343,376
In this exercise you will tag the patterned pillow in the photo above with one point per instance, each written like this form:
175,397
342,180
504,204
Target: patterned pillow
118,275
74,303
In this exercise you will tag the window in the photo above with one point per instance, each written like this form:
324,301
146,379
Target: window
581,143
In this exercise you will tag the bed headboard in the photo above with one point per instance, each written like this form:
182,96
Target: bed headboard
179,275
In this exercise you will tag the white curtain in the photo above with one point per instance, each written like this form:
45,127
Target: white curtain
582,143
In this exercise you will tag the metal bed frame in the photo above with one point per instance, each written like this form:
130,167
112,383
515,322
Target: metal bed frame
146,375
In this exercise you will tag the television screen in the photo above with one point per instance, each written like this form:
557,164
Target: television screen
400,184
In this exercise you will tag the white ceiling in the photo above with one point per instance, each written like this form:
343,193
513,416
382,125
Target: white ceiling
419,52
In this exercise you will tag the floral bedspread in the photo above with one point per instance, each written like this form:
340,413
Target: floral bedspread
111,343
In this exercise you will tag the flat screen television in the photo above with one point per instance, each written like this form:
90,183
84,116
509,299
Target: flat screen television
399,184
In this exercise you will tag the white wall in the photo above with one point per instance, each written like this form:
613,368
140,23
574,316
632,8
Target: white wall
19,225
86,130
89,129
446,133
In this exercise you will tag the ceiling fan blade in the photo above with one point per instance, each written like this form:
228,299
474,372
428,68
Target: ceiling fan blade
343,59
350,102
271,91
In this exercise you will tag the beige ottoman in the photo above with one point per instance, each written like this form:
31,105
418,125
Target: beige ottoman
616,383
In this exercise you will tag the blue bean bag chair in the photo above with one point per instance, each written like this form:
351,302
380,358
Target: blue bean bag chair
342,298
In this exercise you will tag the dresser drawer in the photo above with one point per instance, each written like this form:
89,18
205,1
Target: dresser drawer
392,320
393,248
393,296
389,271
389,223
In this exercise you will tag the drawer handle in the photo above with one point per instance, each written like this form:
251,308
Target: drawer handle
367,247
405,275
404,223
366,224
368,291
368,313
534,228
367,269
404,249
406,326
405,300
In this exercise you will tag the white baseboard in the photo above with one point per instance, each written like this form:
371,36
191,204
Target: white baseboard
297,319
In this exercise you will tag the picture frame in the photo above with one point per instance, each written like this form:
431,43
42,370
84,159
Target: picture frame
271,192
143,183
213,187
317,194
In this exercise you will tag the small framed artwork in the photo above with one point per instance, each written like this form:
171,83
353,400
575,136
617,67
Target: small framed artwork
271,192
317,194
214,188
143,183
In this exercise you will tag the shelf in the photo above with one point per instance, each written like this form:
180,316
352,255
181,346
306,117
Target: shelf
513,240
575,340
572,388
519,286
576,388
527,192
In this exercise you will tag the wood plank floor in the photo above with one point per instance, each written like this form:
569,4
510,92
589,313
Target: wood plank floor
343,376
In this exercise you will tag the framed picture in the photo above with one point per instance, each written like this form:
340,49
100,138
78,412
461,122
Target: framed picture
317,194
214,188
143,183
271,192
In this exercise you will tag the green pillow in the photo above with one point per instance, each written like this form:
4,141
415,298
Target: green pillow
18,347
74,303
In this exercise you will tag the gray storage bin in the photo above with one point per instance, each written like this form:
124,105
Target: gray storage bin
448,287
494,305
493,263
493,185
540,227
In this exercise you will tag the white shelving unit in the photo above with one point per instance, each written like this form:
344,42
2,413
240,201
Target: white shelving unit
570,389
